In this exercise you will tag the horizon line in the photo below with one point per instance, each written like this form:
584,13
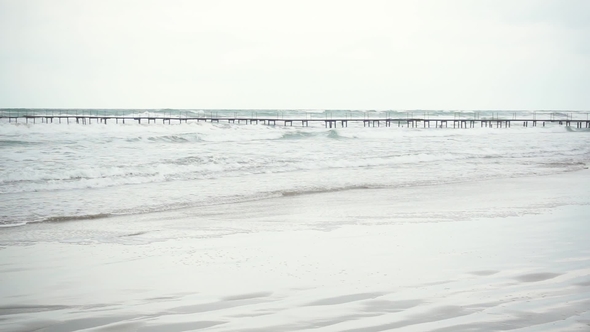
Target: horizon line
299,109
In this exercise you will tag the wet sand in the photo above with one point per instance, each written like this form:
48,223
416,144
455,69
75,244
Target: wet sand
493,255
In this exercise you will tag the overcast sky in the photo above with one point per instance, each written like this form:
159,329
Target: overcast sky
319,54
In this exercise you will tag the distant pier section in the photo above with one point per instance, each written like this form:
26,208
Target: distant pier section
410,119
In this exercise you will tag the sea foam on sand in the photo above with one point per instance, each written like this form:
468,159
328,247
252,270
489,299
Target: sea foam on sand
491,255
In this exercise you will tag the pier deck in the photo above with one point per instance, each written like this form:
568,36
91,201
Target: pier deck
412,122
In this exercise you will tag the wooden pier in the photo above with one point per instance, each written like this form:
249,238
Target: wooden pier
410,122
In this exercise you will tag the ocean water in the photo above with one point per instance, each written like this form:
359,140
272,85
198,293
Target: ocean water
51,172
252,227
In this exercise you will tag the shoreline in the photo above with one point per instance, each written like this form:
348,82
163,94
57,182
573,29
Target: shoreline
286,194
367,260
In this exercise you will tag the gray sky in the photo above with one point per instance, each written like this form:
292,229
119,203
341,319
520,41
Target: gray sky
320,54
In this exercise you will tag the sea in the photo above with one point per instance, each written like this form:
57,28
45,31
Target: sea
53,171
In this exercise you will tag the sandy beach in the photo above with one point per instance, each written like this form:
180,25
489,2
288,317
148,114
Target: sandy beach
478,256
